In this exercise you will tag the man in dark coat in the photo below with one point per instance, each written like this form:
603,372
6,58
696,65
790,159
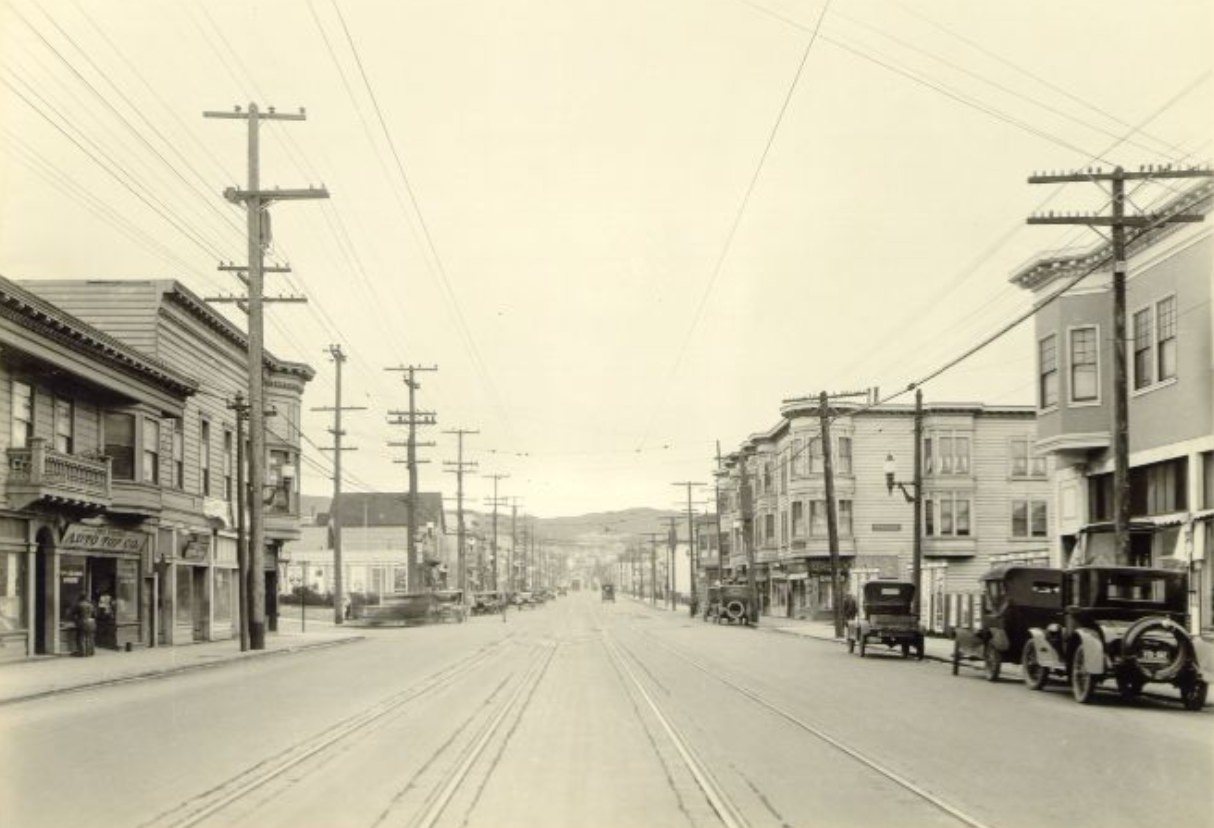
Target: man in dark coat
84,616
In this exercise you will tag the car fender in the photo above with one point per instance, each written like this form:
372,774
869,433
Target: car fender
1047,655
1203,657
1093,652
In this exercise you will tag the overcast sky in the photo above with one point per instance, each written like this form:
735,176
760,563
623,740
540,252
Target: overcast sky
622,229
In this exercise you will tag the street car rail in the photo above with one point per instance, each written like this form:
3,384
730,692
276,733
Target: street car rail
210,803
820,734
725,811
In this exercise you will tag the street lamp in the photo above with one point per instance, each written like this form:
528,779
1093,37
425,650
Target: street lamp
916,483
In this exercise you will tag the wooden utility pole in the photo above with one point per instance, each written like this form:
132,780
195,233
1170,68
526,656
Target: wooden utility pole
832,517
242,498
1118,222
692,552
458,469
413,418
495,501
672,545
720,534
747,505
257,203
337,408
511,577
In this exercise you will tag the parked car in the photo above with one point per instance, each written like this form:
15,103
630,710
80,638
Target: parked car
731,603
397,608
1128,624
1015,598
609,592
525,600
888,618
449,605
486,603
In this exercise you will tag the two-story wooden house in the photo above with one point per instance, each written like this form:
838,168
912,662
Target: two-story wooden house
79,502
1170,385
181,470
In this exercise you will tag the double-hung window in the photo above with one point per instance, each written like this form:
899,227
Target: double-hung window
1026,463
178,454
120,444
1047,368
843,466
947,514
1029,518
798,519
1085,378
1153,329
151,450
204,456
65,426
23,414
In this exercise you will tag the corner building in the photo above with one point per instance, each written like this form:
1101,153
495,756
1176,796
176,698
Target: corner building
178,473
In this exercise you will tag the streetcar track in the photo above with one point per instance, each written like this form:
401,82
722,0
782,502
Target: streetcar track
248,781
717,799
446,791
820,734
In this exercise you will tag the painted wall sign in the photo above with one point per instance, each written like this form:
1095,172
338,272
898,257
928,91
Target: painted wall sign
103,539
887,527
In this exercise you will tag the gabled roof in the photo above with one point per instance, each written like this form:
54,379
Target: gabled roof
387,509
38,315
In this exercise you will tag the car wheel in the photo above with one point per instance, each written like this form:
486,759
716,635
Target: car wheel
863,645
1193,694
1083,685
992,660
1035,676
906,649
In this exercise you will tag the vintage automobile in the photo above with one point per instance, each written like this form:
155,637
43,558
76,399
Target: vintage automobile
1015,598
730,603
396,608
888,618
486,603
609,592
525,600
449,605
1122,623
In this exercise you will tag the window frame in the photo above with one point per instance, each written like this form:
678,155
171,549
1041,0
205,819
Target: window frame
1047,381
1030,505
204,456
149,450
1031,459
22,439
1160,340
59,406
1073,399
948,509
130,452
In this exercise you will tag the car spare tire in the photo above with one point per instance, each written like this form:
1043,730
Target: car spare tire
735,609
1157,647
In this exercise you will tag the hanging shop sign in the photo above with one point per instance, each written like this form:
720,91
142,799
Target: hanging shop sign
103,539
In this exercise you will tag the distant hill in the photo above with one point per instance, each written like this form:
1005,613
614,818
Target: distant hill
604,524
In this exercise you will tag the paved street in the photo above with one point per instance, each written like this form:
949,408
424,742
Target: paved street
586,713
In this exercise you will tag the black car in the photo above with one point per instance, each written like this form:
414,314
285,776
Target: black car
1015,598
1124,623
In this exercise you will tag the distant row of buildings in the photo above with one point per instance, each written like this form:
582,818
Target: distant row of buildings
1003,483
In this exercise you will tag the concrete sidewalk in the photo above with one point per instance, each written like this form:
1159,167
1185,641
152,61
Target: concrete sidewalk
50,675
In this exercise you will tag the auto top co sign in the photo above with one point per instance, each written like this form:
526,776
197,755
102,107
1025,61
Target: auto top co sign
104,539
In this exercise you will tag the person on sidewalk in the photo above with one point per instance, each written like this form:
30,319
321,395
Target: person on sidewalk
85,619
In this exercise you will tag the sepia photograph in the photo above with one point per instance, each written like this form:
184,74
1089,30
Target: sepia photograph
606,414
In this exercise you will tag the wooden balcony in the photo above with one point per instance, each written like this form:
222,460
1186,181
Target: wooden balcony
41,474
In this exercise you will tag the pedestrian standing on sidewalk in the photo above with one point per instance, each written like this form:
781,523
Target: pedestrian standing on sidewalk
85,619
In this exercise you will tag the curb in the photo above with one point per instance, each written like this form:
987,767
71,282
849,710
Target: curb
176,669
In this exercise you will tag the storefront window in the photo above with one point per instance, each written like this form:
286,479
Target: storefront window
225,583
71,584
12,591
183,612
126,598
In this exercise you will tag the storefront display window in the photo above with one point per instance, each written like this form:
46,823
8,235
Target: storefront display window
12,591
126,599
71,584
184,605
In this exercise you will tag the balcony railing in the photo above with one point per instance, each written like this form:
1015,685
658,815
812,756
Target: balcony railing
39,471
